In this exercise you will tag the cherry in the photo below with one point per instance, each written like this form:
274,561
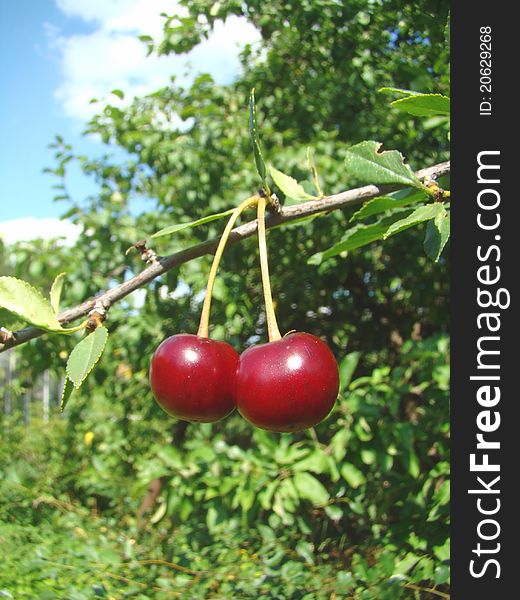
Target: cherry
287,385
193,377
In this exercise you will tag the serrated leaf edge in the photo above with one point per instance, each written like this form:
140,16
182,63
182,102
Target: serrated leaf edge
181,226
77,386
393,230
302,193
56,290
38,293
414,180
399,101
65,394
257,150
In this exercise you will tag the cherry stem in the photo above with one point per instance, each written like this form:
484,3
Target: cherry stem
206,307
272,325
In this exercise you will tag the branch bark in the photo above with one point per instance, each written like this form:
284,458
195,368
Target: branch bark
165,263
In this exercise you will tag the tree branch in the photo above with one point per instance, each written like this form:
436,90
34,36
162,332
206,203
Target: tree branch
164,264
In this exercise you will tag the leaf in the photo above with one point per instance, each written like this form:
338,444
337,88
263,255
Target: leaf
259,159
159,513
384,203
56,289
310,488
27,303
68,388
317,462
85,355
306,550
437,235
347,367
10,321
119,93
419,215
355,237
424,105
289,186
373,207
339,443
392,90
352,475
180,226
368,164
345,581
314,172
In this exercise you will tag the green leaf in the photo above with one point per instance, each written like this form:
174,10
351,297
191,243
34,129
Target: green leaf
384,203
424,105
180,226
317,462
159,513
345,581
334,512
56,289
405,565
365,162
85,355
314,172
259,159
392,90
289,186
347,367
306,550
419,215
68,388
10,321
310,488
355,237
27,303
119,93
352,475
373,207
437,235
339,443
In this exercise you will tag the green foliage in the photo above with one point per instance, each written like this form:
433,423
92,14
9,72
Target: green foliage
437,234
362,504
257,151
424,105
289,186
56,290
179,227
385,203
28,304
85,355
358,507
419,215
364,162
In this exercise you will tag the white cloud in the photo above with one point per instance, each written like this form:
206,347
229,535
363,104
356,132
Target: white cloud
141,16
111,57
30,228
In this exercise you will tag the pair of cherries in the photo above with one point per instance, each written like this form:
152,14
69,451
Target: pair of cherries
285,385
288,384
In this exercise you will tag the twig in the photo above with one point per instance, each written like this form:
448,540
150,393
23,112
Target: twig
163,264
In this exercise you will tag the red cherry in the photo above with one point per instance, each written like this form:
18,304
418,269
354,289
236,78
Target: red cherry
193,378
287,385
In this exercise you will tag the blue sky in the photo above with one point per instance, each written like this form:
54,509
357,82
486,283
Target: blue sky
30,116
55,55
